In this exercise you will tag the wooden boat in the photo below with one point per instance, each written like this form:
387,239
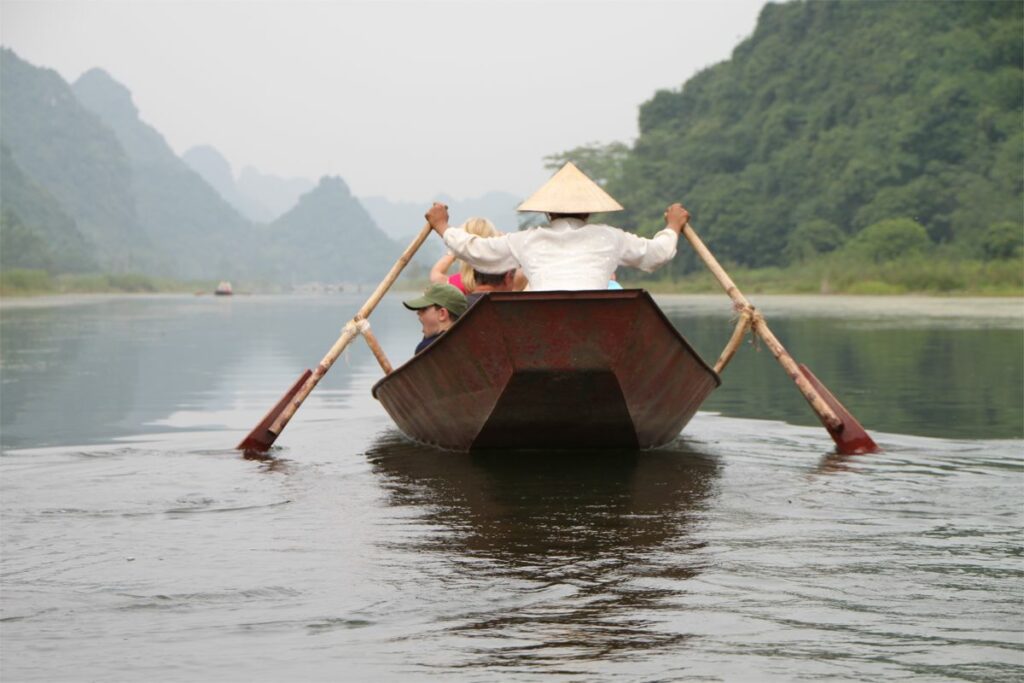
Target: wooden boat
591,369
557,370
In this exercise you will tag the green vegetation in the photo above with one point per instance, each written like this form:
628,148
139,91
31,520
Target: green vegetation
329,237
846,146
89,187
65,177
192,230
21,282
42,235
29,282
841,274
872,146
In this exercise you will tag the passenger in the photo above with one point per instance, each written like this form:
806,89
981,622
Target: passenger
487,282
464,278
570,253
438,309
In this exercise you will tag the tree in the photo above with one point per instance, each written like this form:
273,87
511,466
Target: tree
851,113
1003,240
888,240
601,163
812,238
21,246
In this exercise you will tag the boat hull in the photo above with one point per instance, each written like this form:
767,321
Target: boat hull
587,370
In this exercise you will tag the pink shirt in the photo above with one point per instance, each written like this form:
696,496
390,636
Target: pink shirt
456,281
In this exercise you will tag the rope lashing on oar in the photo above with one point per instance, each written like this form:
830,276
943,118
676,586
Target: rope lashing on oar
755,321
754,317
746,317
362,327
349,329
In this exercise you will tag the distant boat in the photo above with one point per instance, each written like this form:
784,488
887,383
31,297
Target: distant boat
223,289
594,369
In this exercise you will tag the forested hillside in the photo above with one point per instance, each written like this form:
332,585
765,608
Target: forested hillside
842,137
38,233
876,127
194,230
329,237
62,163
89,187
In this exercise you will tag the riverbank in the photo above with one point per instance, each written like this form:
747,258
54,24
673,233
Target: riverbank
830,275
83,299
906,276
29,283
1007,310
21,283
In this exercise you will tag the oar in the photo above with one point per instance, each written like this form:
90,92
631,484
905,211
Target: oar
262,437
849,435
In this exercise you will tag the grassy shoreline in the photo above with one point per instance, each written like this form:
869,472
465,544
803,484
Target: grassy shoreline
1002,311
21,283
908,276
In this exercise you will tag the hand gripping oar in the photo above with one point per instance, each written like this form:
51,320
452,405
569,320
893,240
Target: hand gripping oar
849,435
262,437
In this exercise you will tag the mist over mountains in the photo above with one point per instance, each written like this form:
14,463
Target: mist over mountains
215,170
404,219
838,133
266,198
88,186
262,197
56,244
65,172
193,231
351,247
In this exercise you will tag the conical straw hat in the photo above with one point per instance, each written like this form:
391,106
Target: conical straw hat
570,191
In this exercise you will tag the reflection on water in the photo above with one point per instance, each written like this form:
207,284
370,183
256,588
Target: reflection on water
126,366
152,365
744,550
899,376
589,535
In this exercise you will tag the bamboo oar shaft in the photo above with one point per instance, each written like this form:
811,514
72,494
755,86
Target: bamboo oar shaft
716,269
349,332
827,415
378,352
734,342
393,274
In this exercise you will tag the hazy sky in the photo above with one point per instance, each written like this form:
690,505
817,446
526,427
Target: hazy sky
401,99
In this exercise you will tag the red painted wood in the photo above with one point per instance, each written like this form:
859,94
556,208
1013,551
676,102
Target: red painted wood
594,369
260,439
851,438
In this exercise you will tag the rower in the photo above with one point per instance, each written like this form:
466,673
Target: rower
570,253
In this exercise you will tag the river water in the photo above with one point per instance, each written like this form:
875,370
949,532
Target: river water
138,545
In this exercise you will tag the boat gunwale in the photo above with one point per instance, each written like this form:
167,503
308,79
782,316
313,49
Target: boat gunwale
556,295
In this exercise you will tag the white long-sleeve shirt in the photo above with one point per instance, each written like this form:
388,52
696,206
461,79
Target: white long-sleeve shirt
568,254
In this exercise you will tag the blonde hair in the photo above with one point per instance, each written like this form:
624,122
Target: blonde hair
482,228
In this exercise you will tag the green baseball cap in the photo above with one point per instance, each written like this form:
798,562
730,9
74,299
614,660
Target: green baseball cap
445,296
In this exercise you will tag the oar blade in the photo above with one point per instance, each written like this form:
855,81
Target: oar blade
260,439
851,438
